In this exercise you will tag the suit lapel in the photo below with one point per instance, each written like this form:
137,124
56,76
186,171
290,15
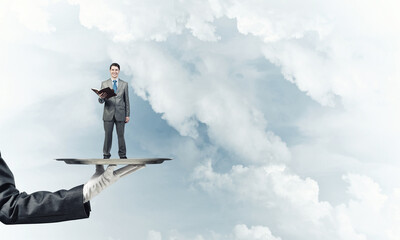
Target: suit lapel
120,85
109,83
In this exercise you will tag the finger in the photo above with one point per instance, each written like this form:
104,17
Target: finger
127,170
110,168
133,170
98,171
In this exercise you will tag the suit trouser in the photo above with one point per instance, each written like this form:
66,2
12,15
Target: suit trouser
108,130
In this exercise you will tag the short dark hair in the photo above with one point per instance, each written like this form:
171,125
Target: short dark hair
115,65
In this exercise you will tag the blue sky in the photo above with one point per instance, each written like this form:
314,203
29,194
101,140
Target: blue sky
280,116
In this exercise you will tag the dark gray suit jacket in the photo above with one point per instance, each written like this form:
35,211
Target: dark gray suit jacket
39,207
117,106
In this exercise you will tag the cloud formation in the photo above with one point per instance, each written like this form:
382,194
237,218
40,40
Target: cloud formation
201,65
129,20
240,232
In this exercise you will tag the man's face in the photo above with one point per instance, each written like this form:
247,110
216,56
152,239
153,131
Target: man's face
114,71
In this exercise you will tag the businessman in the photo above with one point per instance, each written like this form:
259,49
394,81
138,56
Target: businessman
47,207
116,111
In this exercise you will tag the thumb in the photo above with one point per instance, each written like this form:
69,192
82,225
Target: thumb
127,170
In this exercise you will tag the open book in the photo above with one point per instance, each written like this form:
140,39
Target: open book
110,92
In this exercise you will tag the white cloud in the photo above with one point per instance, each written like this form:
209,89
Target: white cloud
325,49
343,55
46,89
366,190
368,213
366,209
201,16
185,99
154,235
242,232
129,20
32,15
266,187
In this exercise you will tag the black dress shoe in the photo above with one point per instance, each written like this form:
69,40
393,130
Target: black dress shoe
123,158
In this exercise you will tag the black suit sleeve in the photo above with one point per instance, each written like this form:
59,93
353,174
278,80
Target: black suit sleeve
39,207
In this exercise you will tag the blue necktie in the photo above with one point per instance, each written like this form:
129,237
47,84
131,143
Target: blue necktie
115,86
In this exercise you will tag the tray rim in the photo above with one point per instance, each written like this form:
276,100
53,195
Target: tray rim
100,161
